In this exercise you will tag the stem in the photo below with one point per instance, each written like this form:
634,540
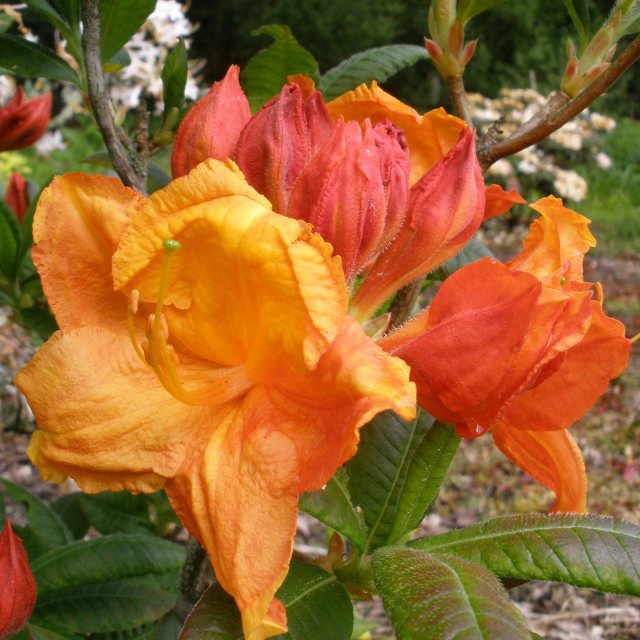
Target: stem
99,98
190,588
402,304
459,98
558,111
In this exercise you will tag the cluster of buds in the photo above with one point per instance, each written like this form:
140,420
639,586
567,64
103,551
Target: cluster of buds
446,47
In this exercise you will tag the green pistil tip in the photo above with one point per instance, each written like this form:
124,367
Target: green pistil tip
171,245
563,280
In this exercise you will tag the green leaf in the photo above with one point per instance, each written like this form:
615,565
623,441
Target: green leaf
174,78
333,506
119,60
119,20
70,511
473,251
469,8
34,632
70,9
6,21
215,617
40,320
119,512
318,606
392,477
9,241
379,63
584,551
579,12
31,60
433,598
631,19
266,72
45,530
46,11
107,584
157,178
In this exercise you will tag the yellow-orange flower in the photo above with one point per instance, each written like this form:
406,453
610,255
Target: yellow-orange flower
521,350
223,365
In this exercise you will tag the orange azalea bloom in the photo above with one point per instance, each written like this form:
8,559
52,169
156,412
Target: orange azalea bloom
520,349
223,366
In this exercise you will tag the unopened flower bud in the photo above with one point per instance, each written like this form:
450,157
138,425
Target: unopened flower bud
22,122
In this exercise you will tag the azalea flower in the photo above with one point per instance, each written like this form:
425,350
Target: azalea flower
17,586
395,193
205,347
521,350
16,196
22,121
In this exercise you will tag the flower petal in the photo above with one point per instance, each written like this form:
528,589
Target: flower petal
104,418
550,457
247,284
430,137
558,239
213,125
577,377
78,223
499,201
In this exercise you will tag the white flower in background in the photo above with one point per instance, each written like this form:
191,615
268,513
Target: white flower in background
568,136
527,167
7,89
603,160
570,185
602,122
50,141
501,168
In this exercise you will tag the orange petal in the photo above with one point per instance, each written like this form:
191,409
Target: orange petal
77,226
445,209
247,284
550,457
213,125
499,201
104,418
430,137
560,238
577,377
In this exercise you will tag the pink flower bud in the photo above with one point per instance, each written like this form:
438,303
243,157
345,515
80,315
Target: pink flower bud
212,127
22,122
15,195
17,586
280,140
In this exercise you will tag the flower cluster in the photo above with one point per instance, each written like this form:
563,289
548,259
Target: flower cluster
545,165
216,338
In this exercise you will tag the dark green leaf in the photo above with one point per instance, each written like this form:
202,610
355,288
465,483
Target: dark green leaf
471,252
318,606
70,512
70,9
26,230
469,8
266,72
107,584
631,19
119,20
119,60
174,78
5,22
9,241
31,60
437,598
377,64
40,320
390,477
34,632
579,12
157,178
585,551
119,512
215,617
46,11
45,530
333,506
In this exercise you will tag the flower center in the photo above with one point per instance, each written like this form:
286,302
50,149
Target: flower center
222,384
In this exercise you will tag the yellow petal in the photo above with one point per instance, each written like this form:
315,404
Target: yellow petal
247,284
550,457
77,226
559,238
104,418
429,137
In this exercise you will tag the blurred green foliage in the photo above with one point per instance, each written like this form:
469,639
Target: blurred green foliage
520,42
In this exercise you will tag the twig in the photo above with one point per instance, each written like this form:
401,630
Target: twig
459,98
99,98
558,111
404,301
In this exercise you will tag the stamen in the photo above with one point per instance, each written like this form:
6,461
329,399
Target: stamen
132,309
635,338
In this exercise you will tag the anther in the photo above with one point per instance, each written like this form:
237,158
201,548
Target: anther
134,299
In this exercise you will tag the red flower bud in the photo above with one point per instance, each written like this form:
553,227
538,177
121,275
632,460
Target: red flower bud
280,140
17,586
212,127
16,195
22,122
